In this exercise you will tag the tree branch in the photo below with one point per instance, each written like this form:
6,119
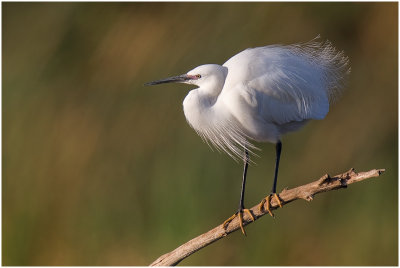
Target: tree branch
306,192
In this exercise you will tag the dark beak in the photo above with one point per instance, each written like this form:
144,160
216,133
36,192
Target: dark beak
176,79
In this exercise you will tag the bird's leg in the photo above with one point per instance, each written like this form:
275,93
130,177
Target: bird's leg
241,202
273,193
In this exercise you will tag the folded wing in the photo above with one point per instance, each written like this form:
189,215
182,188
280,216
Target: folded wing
288,83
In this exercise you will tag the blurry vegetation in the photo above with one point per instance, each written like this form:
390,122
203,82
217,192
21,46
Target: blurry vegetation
100,170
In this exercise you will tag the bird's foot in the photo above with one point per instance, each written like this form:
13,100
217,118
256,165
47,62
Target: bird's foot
268,201
240,214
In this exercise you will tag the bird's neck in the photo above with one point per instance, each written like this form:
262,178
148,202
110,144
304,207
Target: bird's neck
198,107
211,89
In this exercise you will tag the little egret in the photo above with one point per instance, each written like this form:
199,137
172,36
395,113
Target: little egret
261,94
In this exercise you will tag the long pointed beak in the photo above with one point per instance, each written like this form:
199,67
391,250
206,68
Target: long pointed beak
175,79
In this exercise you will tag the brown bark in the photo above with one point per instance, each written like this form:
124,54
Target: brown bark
306,192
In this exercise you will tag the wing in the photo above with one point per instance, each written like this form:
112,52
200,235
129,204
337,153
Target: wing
288,83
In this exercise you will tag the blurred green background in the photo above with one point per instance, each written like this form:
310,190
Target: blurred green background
100,170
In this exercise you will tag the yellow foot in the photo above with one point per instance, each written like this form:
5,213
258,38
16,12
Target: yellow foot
268,201
240,213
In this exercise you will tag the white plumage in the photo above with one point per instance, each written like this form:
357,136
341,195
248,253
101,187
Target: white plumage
262,93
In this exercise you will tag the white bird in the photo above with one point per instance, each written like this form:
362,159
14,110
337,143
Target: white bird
259,95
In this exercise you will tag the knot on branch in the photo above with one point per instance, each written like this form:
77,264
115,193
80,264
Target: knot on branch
340,180
326,179
309,198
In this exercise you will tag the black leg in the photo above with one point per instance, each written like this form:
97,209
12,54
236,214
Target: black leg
278,148
267,200
246,164
241,202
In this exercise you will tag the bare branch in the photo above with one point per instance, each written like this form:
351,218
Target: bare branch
306,192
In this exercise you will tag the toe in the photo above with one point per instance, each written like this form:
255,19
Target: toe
276,196
268,201
261,205
227,221
249,213
241,222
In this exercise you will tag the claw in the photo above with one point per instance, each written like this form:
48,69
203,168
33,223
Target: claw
249,213
227,221
241,223
268,201
277,199
240,214
261,205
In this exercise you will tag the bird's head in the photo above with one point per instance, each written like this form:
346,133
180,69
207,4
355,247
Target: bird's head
199,76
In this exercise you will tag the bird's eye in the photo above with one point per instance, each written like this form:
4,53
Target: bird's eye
198,76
